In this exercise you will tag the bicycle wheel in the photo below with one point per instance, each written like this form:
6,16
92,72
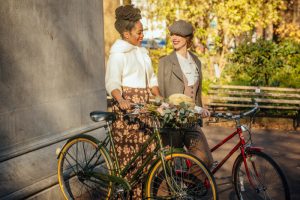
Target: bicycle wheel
186,177
268,179
79,159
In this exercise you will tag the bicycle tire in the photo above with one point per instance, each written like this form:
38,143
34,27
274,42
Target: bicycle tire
271,184
189,181
80,157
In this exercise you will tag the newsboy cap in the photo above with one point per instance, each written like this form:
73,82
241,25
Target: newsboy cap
182,28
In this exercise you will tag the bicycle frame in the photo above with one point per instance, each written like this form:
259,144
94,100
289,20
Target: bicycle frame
240,145
119,174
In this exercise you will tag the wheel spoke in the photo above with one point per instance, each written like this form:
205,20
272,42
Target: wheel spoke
84,152
71,166
187,181
267,178
82,157
76,161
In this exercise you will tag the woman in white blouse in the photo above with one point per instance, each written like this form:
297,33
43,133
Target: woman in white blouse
180,72
129,79
129,64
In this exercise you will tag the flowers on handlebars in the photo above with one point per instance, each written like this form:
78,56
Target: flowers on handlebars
178,111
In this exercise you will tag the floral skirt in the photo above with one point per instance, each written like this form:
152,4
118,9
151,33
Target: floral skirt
128,138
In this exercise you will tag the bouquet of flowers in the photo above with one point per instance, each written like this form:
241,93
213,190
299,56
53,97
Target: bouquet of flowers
178,111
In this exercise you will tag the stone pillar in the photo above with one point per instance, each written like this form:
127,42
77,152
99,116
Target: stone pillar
51,78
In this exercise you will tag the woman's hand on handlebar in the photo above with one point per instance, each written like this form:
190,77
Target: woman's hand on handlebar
124,104
205,113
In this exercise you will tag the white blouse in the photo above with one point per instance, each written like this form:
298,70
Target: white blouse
189,68
130,66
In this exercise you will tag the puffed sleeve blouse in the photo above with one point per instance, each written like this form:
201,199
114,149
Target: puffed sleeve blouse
129,66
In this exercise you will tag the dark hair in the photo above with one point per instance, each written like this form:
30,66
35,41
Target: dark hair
126,18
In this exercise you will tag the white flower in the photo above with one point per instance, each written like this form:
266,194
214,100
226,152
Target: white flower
176,99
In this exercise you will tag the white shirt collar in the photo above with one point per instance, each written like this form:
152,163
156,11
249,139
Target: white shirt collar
189,68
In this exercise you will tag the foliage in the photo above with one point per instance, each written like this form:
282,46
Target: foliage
265,63
182,115
289,31
219,24
155,54
222,27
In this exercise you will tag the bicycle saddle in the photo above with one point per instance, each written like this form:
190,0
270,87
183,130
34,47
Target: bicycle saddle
98,116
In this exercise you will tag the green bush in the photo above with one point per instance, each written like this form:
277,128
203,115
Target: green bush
264,63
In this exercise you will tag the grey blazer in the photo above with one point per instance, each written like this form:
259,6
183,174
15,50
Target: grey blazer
170,76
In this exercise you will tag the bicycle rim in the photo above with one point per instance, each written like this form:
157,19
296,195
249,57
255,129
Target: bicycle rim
79,159
187,178
268,180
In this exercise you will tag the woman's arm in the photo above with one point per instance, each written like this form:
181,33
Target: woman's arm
114,71
124,104
113,79
155,91
153,83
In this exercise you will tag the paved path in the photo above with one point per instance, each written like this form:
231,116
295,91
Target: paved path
283,147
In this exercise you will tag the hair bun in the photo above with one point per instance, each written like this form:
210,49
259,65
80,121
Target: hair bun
128,12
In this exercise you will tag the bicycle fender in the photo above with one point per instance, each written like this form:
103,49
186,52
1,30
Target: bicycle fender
175,150
79,136
253,149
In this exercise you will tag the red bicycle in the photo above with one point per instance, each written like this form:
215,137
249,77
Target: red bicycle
255,174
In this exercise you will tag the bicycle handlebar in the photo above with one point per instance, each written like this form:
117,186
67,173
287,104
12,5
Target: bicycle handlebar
136,109
253,110
234,117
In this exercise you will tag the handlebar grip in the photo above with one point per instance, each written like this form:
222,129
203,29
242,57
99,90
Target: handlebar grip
216,114
221,115
250,111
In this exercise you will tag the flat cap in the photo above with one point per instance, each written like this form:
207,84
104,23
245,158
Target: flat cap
182,28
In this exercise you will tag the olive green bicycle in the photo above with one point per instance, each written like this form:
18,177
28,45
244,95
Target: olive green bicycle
89,168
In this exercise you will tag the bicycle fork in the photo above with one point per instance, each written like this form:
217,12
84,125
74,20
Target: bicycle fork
247,167
168,177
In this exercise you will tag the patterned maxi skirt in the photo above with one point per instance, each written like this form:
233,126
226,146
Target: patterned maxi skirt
128,138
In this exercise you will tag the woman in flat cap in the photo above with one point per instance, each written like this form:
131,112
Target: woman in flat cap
180,72
129,79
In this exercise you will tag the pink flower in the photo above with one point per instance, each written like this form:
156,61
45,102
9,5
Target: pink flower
160,110
165,105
